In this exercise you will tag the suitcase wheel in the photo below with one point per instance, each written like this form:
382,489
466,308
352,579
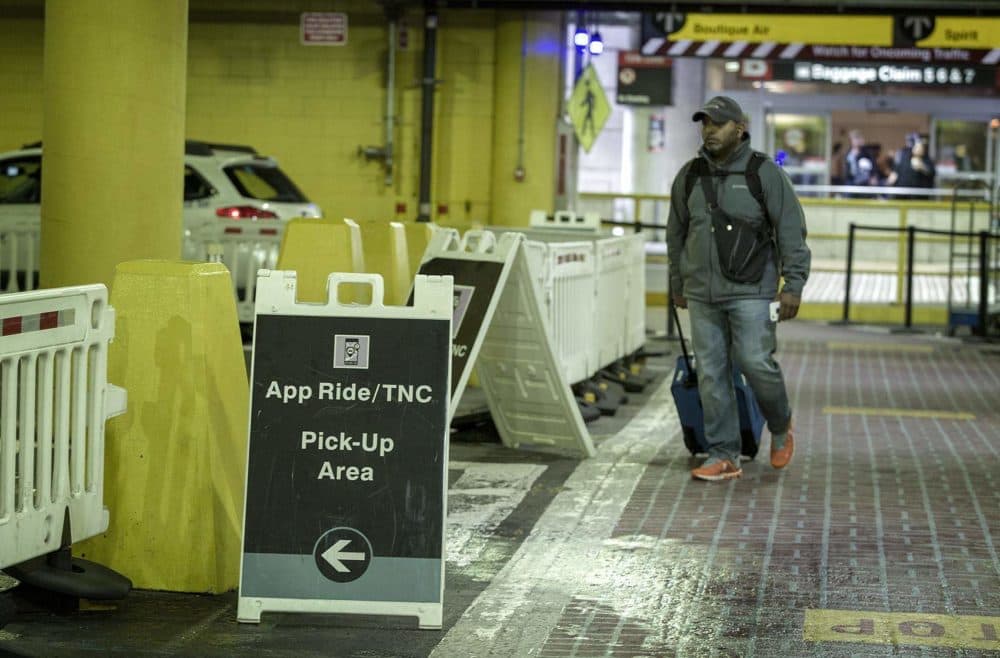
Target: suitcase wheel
689,441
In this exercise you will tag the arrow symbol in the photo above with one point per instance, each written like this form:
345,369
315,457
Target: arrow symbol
336,553
918,26
669,21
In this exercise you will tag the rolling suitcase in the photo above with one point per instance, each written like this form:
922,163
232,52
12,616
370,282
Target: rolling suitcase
684,388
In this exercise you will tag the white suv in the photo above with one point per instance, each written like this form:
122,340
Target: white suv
235,205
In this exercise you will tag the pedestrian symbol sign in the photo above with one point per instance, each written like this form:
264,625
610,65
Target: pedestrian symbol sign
588,108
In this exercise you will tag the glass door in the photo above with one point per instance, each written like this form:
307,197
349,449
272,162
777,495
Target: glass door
800,143
962,150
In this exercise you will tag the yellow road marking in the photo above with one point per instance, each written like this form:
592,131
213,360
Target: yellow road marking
902,628
909,413
879,347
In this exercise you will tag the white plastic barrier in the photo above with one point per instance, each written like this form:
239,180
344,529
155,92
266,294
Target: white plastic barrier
243,253
565,272
54,400
565,220
635,299
243,250
612,317
18,254
612,285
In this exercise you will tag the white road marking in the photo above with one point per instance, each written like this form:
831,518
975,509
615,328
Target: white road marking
569,551
479,501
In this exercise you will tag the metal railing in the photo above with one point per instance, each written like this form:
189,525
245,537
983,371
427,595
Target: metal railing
986,268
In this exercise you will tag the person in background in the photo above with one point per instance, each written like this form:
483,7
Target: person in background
884,168
795,154
859,165
730,320
837,165
963,161
914,170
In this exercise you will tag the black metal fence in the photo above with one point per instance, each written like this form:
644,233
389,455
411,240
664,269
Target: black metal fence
985,269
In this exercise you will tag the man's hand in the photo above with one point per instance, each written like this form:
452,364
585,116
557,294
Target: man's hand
680,301
789,306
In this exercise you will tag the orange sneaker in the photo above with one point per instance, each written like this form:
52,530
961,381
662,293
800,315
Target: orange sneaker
720,470
783,455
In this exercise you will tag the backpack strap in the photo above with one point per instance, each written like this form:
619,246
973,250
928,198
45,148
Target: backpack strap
699,169
708,189
752,175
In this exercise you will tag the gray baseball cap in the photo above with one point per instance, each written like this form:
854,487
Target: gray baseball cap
720,110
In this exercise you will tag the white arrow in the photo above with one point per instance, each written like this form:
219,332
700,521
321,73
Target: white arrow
668,20
336,553
916,25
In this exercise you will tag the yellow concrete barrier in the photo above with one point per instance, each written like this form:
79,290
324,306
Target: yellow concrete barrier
313,248
418,234
384,247
175,462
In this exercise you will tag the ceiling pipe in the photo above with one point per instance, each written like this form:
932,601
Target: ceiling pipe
427,115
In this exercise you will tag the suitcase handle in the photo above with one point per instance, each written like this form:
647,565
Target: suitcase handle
692,377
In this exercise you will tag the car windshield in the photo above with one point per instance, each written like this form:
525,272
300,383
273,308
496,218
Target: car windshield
266,183
21,180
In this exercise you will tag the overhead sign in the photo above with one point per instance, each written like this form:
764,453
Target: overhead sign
892,74
796,51
643,79
764,35
755,69
958,32
909,55
588,108
348,452
323,28
787,28
660,23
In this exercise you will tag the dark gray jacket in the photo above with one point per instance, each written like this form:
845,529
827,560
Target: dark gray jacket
694,261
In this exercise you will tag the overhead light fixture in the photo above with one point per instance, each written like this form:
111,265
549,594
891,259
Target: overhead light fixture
581,38
596,43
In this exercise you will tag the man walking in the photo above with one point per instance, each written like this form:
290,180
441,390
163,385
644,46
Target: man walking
735,227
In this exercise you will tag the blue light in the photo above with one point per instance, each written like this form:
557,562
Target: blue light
548,46
596,43
581,38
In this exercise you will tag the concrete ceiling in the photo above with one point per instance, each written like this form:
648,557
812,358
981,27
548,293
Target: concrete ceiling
938,7
22,8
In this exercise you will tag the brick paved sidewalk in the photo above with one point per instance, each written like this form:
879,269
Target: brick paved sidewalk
880,539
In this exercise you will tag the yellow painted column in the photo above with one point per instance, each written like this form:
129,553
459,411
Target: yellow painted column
113,136
514,199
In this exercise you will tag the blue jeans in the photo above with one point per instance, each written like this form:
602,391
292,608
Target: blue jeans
742,331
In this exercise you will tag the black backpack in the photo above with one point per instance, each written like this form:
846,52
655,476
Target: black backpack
699,168
743,249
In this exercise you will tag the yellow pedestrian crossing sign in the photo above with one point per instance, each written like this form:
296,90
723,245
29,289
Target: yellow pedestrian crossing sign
588,108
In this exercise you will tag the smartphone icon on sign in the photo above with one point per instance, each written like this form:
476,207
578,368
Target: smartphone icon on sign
352,350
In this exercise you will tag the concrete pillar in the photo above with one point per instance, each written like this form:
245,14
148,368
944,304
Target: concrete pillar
113,136
514,197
